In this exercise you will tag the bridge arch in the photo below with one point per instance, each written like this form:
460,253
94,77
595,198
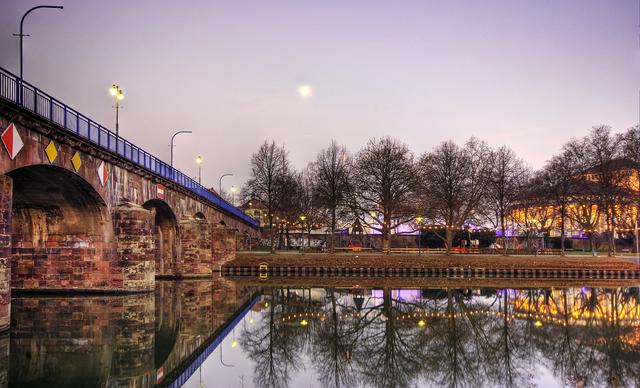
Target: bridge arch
166,237
62,232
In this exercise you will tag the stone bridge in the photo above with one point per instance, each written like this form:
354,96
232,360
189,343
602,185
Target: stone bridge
84,210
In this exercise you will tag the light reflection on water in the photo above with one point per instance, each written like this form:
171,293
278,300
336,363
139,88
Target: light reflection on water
323,337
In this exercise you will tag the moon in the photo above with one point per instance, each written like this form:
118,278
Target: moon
305,91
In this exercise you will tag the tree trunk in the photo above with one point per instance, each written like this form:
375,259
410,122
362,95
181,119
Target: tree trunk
504,236
332,245
562,232
592,244
272,247
449,240
287,238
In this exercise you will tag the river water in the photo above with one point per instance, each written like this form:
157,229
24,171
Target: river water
218,333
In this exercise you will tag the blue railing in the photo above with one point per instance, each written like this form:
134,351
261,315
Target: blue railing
47,107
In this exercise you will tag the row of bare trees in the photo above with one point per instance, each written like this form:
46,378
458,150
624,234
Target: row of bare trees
590,183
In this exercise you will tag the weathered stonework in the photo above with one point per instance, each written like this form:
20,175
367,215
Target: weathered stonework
223,245
133,268
5,251
195,240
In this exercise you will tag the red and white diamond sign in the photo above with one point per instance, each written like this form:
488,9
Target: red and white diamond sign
103,173
12,141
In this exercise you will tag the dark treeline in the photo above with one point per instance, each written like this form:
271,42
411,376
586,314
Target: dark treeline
592,185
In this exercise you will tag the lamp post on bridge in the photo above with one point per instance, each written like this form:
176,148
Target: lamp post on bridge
22,35
220,182
173,137
199,163
117,94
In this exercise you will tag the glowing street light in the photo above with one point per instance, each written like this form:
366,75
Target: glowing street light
199,163
419,221
117,93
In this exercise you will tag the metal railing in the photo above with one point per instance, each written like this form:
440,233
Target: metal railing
49,108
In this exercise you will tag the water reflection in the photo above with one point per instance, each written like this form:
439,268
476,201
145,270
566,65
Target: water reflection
451,337
330,337
106,341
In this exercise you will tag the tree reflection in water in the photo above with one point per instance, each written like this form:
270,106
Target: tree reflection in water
452,337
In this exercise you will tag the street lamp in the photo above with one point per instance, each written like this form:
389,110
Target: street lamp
305,226
199,163
220,182
116,92
233,195
172,137
22,35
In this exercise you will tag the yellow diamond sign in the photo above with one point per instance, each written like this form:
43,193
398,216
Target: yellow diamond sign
51,151
76,161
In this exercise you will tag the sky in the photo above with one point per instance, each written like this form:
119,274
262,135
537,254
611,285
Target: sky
526,74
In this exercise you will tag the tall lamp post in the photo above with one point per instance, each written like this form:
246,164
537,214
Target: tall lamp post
220,182
305,228
117,93
22,35
199,163
173,137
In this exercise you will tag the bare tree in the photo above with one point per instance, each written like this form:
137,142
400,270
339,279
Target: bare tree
603,178
504,180
266,168
312,212
630,141
530,212
288,202
332,169
557,179
385,186
454,182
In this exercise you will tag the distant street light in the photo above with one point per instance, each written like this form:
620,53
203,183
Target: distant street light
116,92
233,195
172,137
199,163
22,35
306,228
419,220
220,182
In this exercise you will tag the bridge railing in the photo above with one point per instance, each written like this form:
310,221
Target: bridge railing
51,109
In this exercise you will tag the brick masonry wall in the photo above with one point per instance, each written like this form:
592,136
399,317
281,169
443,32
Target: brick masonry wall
133,267
5,251
223,245
195,240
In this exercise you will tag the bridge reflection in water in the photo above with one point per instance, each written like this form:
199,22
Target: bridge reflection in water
118,340
332,337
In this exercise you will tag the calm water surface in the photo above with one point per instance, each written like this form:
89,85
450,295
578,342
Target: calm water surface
222,334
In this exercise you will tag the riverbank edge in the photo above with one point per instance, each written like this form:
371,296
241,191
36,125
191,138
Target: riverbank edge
470,261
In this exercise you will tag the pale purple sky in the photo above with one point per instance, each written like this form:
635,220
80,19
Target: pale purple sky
528,74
